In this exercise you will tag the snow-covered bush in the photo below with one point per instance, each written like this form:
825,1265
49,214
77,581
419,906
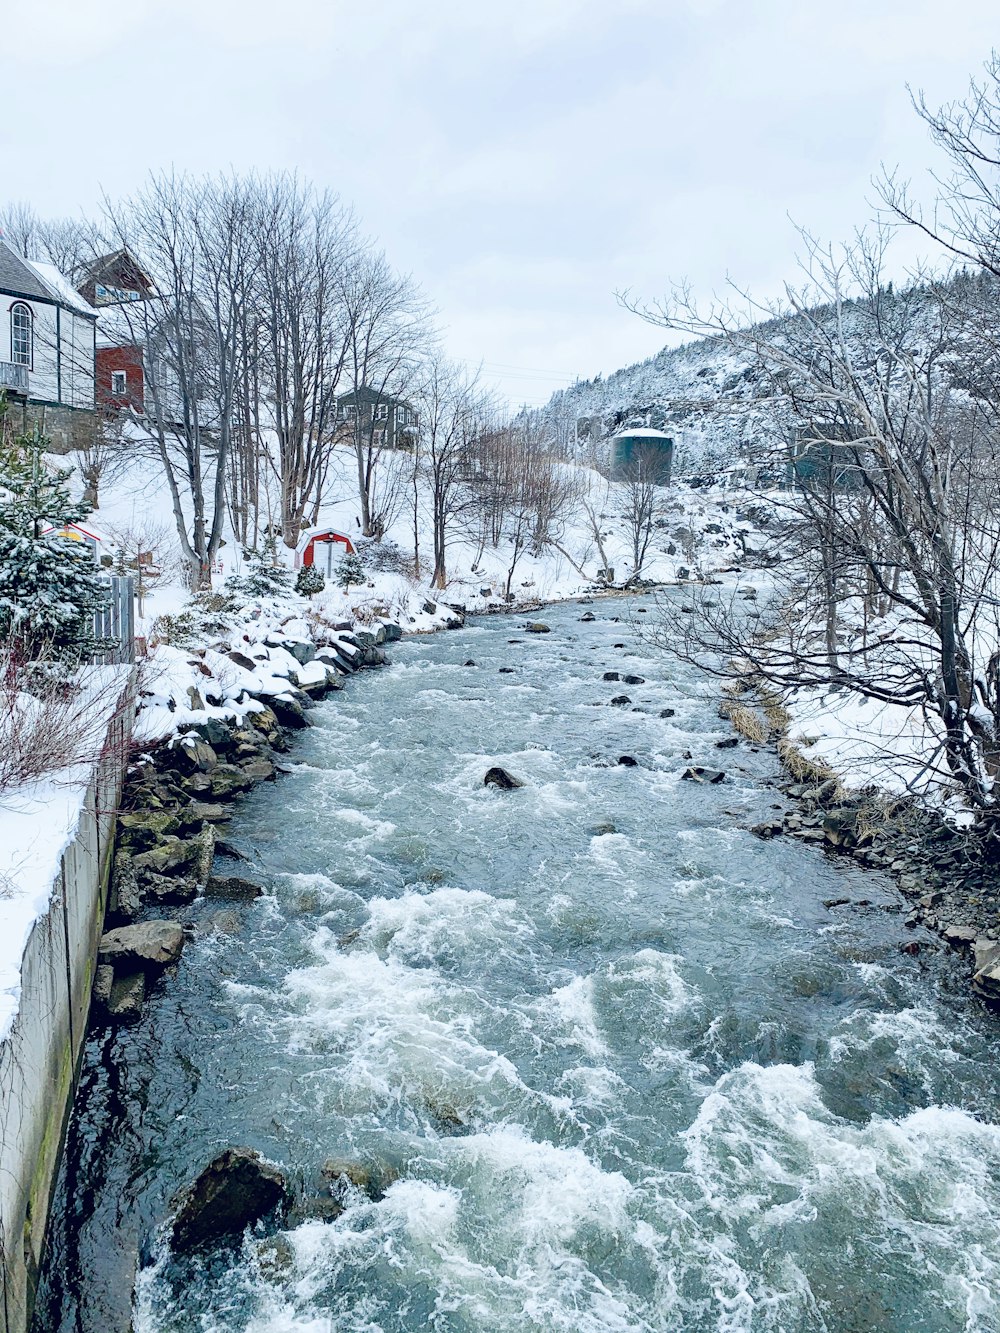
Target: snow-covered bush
310,581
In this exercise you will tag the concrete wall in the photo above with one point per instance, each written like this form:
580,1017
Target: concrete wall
40,1059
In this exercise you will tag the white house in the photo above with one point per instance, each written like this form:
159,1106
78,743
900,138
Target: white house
47,333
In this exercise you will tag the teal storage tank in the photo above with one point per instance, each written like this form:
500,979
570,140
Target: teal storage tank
642,452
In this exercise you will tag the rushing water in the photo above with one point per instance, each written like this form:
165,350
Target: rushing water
611,1062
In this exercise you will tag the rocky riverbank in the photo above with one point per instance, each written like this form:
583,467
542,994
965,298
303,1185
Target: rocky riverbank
950,875
178,798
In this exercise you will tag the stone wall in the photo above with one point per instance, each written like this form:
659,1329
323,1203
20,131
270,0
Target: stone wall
68,428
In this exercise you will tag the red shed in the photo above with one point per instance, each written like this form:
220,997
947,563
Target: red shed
322,547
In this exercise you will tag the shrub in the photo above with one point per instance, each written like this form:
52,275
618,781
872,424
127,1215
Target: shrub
310,581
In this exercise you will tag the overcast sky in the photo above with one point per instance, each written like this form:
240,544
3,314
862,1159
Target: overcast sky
523,159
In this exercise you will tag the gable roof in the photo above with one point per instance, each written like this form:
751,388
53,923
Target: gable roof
61,288
18,277
364,394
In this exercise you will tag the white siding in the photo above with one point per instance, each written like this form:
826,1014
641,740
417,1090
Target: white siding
63,367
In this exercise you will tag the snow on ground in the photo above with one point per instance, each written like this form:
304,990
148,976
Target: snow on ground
37,824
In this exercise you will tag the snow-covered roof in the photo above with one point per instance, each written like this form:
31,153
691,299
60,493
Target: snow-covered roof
324,530
643,433
61,289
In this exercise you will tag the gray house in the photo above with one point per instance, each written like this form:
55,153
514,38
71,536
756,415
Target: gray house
387,420
47,333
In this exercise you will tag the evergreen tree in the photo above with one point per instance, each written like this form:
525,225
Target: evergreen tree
266,576
349,570
310,581
50,586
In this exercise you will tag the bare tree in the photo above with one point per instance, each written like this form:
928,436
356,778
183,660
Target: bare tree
196,239
309,250
387,333
453,413
641,493
909,459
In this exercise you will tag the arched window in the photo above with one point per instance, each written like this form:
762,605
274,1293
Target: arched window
21,349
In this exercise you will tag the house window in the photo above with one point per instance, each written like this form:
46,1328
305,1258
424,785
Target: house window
382,412
119,383
21,340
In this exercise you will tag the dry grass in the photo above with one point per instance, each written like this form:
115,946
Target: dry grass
47,725
775,712
747,723
795,763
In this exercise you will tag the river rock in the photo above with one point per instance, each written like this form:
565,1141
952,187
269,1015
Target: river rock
233,1192
696,773
393,632
125,897
620,701
147,944
142,829
168,890
840,826
628,761
303,652
214,732
611,675
128,994
227,781
633,680
668,712
172,854
538,627
960,936
729,743
290,712
499,777
470,662
339,1169
232,887
241,660
506,671
196,754
259,770
202,812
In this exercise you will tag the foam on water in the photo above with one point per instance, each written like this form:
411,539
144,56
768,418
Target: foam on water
612,1083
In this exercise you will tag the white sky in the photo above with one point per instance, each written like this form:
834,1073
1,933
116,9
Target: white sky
523,159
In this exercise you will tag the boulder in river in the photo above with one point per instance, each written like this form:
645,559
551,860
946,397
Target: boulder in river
633,680
232,887
147,944
233,1192
587,617
628,761
698,774
499,777
986,979
621,701
611,675
538,627
667,712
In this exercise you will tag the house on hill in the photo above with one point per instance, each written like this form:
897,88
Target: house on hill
47,350
386,419
116,284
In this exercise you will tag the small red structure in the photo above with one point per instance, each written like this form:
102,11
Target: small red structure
322,547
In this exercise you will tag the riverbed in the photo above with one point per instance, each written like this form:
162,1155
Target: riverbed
609,1063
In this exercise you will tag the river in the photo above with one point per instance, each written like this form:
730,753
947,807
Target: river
611,1063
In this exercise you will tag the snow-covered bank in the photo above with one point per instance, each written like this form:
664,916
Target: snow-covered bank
55,843
37,824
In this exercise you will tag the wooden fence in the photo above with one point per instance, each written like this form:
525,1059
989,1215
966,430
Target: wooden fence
114,628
